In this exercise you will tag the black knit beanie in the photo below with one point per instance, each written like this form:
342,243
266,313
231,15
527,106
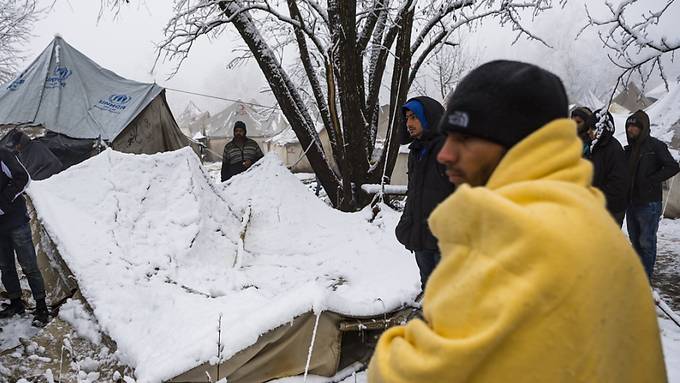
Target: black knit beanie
240,124
504,102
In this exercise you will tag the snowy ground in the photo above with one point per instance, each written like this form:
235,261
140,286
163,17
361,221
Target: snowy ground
284,215
667,269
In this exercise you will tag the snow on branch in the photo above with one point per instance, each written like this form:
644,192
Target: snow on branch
639,38
468,12
194,19
16,23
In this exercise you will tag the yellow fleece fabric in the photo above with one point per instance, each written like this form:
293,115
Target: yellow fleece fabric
537,283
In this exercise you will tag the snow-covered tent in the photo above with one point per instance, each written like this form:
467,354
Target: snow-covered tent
165,259
192,120
589,99
289,150
632,98
80,103
664,116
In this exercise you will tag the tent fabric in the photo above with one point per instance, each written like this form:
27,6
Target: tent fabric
70,94
153,130
278,353
70,151
38,159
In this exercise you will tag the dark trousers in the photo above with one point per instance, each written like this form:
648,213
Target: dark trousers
19,240
643,222
427,260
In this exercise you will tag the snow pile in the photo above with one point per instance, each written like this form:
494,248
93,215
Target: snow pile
75,314
670,337
152,241
665,115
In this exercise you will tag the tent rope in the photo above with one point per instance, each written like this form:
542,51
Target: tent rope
221,98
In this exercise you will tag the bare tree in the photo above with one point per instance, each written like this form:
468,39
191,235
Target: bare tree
348,50
638,37
449,63
16,22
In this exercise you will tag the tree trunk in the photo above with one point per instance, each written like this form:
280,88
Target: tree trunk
289,100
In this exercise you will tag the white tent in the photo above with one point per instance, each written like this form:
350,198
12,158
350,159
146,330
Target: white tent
71,95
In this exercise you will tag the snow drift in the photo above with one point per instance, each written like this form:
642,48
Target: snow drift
152,242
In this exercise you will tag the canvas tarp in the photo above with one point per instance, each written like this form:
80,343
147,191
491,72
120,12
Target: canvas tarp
278,353
153,130
70,94
81,108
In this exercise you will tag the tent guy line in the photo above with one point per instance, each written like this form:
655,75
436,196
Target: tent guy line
220,98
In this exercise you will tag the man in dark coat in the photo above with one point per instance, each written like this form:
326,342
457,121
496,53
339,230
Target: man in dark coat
240,153
610,169
428,184
15,237
649,163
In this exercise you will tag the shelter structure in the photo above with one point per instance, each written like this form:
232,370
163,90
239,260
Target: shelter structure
77,107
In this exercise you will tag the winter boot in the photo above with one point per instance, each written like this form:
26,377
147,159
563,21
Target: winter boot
41,316
16,307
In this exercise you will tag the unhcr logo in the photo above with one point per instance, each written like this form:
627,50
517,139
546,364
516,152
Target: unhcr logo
16,83
58,77
120,99
115,103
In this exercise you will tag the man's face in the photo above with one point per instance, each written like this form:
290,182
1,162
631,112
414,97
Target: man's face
415,128
469,159
239,133
633,131
591,134
579,122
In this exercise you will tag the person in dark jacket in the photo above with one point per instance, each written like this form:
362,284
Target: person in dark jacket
610,169
581,116
15,237
38,159
649,163
240,153
428,184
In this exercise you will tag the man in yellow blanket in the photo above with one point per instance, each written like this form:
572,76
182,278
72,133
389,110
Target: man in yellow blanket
537,283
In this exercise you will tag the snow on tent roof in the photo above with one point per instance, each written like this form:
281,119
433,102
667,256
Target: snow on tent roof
151,241
660,91
70,94
664,114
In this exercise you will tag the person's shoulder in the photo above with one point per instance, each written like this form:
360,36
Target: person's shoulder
657,142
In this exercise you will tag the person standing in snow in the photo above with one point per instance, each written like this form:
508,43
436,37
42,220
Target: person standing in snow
15,237
649,163
581,116
427,182
536,281
610,171
239,153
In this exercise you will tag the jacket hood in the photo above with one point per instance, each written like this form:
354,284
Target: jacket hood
604,127
433,111
641,119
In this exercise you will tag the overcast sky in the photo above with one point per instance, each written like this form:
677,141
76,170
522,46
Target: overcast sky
125,44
